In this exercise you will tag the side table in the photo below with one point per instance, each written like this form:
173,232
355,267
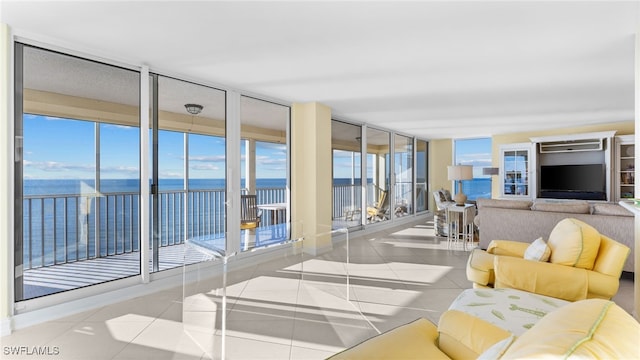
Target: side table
460,224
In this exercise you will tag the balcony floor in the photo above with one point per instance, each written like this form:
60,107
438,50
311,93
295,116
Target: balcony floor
56,278
52,279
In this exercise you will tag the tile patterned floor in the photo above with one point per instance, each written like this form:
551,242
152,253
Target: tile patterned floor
274,312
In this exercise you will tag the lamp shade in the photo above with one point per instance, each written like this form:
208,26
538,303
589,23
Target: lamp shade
460,172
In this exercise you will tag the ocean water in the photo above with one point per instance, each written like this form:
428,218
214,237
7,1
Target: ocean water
77,186
477,188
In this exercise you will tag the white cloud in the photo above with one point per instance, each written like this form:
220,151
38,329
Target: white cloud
54,166
215,158
204,167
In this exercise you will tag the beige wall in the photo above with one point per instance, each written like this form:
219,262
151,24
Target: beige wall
622,128
440,156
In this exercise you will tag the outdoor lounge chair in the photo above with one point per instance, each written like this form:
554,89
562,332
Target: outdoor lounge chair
378,212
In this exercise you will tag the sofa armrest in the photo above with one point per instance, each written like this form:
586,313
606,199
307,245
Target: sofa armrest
415,340
602,286
507,248
558,281
464,336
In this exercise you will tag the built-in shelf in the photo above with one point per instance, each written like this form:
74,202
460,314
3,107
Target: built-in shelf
625,166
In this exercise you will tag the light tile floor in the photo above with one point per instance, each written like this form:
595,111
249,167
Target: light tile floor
396,275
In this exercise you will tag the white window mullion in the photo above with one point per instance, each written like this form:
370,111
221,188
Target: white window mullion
233,138
145,235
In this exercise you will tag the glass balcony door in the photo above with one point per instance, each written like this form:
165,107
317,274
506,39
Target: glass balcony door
403,176
264,166
378,175
77,193
346,142
188,168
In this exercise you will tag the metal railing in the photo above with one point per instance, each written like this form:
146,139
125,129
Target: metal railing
72,227
58,228
346,199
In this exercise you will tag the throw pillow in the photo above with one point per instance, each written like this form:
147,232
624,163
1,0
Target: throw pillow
538,251
610,209
505,204
574,243
447,195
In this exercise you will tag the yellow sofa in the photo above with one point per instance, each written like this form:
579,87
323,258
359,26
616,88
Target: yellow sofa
593,328
583,264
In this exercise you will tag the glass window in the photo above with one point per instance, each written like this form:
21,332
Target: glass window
475,152
347,174
264,173
422,165
191,158
378,175
78,181
403,164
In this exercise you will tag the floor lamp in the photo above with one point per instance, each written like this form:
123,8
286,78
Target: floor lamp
459,173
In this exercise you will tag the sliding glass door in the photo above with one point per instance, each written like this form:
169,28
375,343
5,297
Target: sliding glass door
188,181
403,176
346,142
378,175
422,180
77,174
264,173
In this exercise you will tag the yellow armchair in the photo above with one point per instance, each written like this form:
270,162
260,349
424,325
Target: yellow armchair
586,264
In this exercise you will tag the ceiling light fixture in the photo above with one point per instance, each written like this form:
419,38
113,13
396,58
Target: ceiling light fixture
193,109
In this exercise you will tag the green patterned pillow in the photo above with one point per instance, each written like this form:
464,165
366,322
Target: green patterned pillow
538,251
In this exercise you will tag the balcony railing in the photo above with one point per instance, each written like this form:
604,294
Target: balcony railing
70,227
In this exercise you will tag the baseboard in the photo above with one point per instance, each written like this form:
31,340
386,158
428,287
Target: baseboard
5,327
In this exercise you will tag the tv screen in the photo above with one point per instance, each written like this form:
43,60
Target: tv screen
580,178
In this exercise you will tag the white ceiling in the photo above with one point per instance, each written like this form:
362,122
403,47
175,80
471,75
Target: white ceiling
431,69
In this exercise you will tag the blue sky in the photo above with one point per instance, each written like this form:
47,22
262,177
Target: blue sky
57,148
475,152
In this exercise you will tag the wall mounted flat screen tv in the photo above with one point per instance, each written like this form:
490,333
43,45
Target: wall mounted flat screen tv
586,181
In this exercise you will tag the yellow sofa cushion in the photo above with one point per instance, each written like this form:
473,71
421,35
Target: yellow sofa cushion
574,243
415,340
587,329
464,336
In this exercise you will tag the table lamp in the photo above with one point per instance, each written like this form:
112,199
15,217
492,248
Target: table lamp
459,173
